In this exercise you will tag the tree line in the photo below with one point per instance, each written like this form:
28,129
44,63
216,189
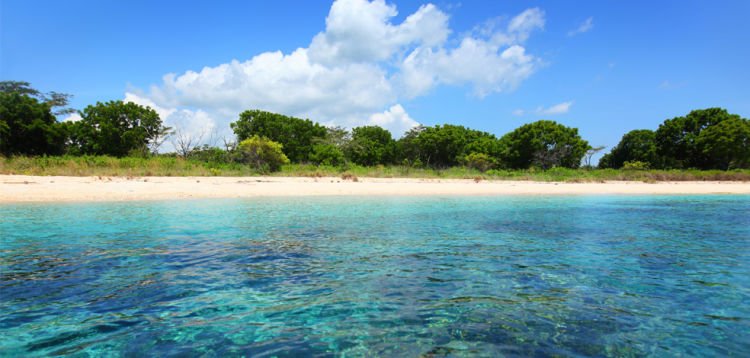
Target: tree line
705,139
709,138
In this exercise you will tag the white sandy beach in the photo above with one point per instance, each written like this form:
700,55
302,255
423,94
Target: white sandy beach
19,188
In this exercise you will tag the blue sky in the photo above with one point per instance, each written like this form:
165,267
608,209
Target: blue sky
606,67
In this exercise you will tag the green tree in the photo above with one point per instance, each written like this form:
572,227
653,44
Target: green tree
447,145
676,138
327,154
544,144
27,126
726,145
407,150
637,145
337,136
371,145
296,135
53,99
115,128
262,154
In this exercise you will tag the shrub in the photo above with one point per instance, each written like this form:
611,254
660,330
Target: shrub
479,161
327,154
262,154
635,165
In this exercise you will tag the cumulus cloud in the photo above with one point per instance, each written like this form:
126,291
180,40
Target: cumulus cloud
354,72
361,31
394,119
586,26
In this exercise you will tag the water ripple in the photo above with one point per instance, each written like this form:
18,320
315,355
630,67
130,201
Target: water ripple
568,276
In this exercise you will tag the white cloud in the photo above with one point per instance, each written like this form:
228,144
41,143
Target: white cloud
361,31
586,26
495,61
355,72
522,25
73,117
395,119
560,108
163,112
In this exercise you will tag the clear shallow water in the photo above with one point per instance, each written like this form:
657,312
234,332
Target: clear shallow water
573,276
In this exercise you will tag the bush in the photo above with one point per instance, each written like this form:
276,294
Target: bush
262,154
211,155
479,161
327,154
635,165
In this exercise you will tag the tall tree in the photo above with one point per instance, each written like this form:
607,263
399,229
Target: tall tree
544,144
636,145
447,145
676,138
297,136
57,101
28,127
726,145
116,128
371,145
407,149
591,152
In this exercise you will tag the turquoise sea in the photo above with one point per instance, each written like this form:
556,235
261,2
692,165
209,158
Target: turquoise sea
378,276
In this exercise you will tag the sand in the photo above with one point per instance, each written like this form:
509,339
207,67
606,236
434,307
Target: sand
19,188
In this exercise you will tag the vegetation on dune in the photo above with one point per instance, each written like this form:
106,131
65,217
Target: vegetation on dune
297,136
544,144
119,138
703,139
27,127
262,154
166,165
116,128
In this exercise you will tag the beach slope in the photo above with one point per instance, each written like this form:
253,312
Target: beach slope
19,188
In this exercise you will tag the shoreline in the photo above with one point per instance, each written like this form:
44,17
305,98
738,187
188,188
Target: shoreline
30,189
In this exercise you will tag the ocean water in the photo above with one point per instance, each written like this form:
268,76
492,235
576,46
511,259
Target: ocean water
378,276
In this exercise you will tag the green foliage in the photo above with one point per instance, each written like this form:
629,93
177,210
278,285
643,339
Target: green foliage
296,135
726,145
407,148
211,155
52,99
262,154
704,139
371,145
479,161
327,154
445,146
337,136
677,138
28,127
635,146
171,165
115,128
545,144
635,165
